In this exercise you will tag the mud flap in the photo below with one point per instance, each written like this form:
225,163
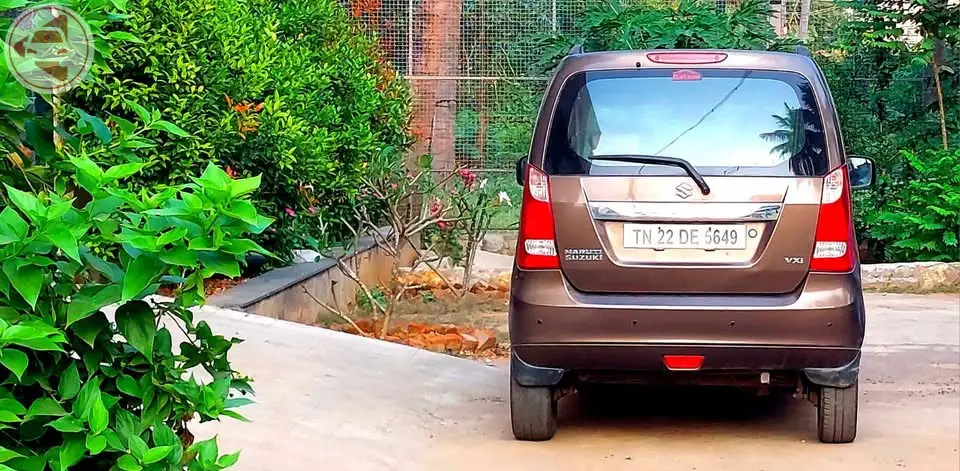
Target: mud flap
841,377
528,375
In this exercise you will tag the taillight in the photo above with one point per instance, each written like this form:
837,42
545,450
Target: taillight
537,249
834,247
686,57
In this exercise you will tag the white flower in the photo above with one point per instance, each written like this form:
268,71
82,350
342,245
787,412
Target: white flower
483,183
503,197
68,299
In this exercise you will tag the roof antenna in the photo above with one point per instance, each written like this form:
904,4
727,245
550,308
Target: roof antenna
578,49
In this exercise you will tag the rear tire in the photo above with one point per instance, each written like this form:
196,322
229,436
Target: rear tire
837,414
533,412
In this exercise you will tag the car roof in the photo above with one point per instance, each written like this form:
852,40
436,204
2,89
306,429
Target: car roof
735,59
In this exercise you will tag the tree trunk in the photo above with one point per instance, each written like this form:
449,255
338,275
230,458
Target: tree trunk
935,63
804,18
436,94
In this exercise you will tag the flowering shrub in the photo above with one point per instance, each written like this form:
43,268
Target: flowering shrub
473,204
250,80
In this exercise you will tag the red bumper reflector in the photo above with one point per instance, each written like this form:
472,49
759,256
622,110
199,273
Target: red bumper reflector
683,362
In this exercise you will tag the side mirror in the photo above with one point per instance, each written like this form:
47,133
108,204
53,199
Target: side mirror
521,170
862,172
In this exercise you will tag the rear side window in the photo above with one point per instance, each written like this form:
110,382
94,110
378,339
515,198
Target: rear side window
724,122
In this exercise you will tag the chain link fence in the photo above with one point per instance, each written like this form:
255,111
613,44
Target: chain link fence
473,67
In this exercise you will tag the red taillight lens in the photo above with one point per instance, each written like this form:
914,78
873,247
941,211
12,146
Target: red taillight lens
683,362
686,57
537,249
834,247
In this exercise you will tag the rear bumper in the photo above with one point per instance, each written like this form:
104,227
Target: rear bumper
820,327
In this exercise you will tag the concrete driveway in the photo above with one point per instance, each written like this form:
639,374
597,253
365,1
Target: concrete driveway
333,401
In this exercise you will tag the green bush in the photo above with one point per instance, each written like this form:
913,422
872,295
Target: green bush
915,213
686,24
80,391
294,90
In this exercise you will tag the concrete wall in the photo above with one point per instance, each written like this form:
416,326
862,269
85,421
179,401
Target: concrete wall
280,293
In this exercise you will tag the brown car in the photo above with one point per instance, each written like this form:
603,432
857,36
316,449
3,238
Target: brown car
687,218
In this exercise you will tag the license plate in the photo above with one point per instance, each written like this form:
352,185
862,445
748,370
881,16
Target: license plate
685,236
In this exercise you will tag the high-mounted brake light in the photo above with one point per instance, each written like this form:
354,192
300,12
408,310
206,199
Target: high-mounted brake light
687,57
834,243
537,248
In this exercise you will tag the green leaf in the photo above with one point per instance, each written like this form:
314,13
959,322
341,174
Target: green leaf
156,454
15,361
89,393
237,402
64,240
11,405
11,220
128,386
235,415
118,172
180,256
27,203
72,450
96,444
227,461
171,236
950,238
99,417
8,417
88,328
169,128
218,263
137,446
7,455
124,36
207,452
69,382
140,111
244,186
90,300
27,280
136,322
245,246
163,435
128,463
107,269
142,272
67,424
242,210
99,128
45,407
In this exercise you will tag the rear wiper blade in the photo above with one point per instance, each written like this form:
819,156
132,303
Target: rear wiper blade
658,160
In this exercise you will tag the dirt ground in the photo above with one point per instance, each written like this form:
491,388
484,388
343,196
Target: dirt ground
336,401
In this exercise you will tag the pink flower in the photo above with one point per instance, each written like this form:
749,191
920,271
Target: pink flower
312,210
443,225
435,207
291,212
468,177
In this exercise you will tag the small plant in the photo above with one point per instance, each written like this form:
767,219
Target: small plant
81,390
919,211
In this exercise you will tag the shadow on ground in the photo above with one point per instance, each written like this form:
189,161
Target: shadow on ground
640,410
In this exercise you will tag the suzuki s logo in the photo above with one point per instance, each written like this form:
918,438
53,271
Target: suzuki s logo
684,190
793,260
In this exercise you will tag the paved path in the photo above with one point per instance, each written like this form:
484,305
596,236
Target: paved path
332,401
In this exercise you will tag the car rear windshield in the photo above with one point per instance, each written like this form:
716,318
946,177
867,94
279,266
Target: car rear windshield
724,122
